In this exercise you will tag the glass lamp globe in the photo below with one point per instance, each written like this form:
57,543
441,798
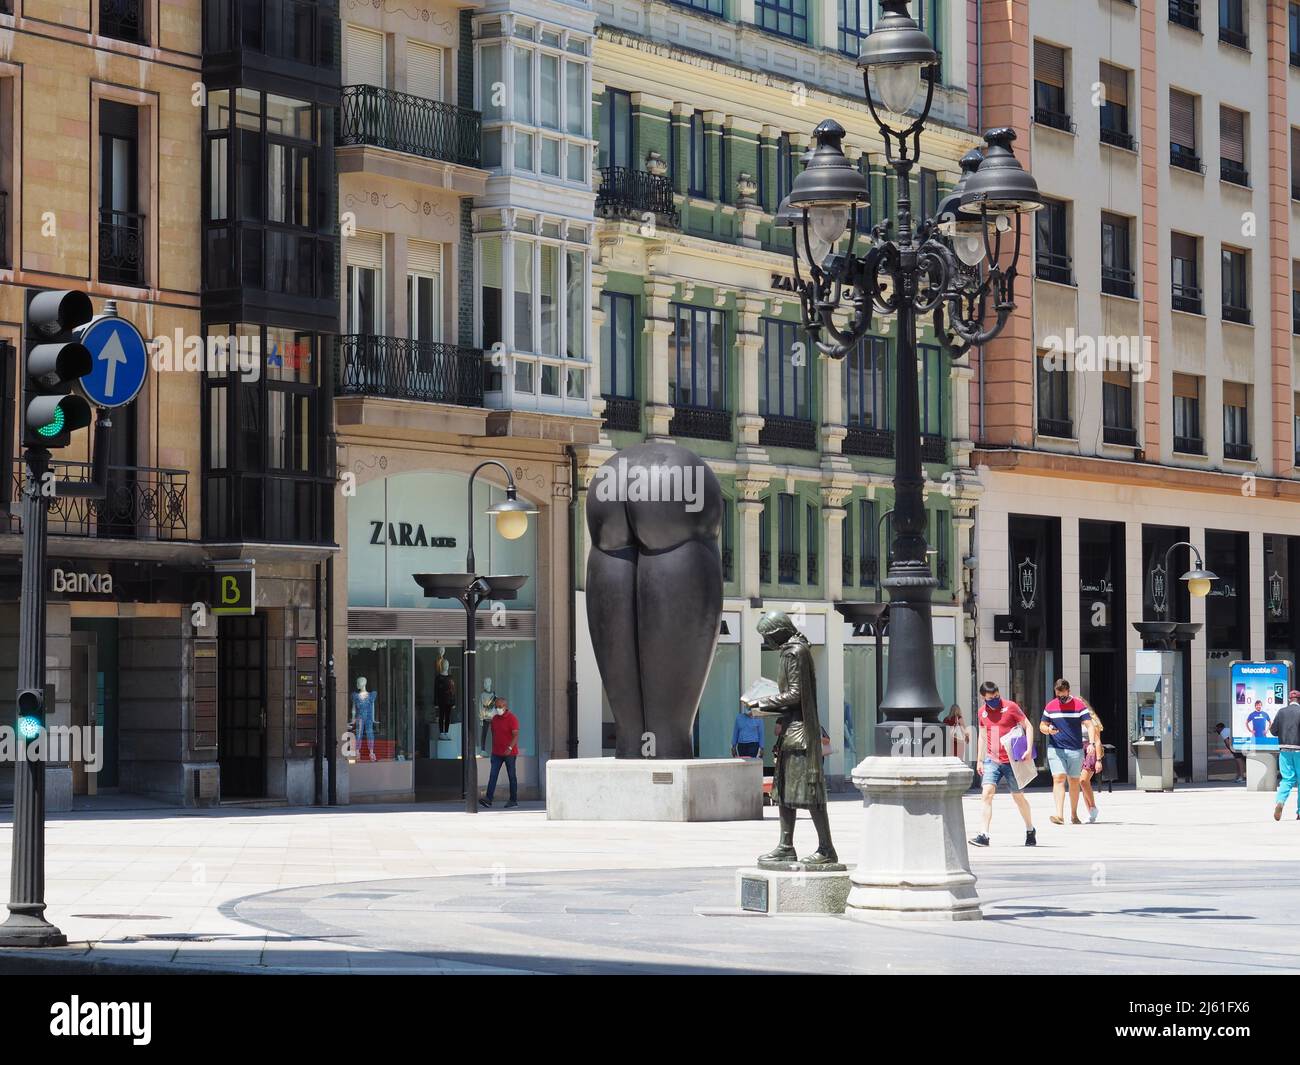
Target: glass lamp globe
898,85
968,242
511,516
1199,587
828,224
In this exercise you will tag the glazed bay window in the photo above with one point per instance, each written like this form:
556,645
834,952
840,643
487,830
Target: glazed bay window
1116,127
1185,255
1188,437
1236,421
1236,299
1116,256
533,90
1054,398
1117,408
532,302
789,18
785,387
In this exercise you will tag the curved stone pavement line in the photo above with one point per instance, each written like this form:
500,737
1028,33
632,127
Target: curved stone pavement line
1072,918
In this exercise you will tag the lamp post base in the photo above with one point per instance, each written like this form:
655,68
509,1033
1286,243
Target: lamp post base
914,864
29,930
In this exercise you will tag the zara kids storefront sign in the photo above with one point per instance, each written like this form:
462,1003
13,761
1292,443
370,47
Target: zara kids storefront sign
417,523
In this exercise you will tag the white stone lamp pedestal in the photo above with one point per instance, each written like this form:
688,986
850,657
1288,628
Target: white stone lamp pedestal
913,864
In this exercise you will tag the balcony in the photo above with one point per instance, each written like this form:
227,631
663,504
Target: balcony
934,448
121,20
1054,266
1054,119
1062,428
1187,298
1118,281
1185,13
779,431
1232,313
700,423
622,414
1235,37
1234,173
431,129
1185,158
143,503
1117,138
398,368
121,247
628,193
1241,452
1117,434
1189,445
869,442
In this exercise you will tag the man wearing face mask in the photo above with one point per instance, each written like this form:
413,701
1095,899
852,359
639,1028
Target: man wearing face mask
999,716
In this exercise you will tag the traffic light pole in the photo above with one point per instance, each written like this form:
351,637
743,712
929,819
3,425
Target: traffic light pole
26,925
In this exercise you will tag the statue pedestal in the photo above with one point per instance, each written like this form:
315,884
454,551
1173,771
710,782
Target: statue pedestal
654,789
913,864
797,890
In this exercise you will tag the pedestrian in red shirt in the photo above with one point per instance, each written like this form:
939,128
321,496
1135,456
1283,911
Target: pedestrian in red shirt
999,716
505,749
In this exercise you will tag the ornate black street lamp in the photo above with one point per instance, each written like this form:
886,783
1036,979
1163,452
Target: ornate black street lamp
950,267
472,590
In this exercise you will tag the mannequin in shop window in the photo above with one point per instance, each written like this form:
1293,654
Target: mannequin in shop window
363,716
487,710
444,695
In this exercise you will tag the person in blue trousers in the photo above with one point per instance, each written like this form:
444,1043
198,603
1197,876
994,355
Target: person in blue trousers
1286,727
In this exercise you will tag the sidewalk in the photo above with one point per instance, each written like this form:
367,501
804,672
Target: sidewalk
434,889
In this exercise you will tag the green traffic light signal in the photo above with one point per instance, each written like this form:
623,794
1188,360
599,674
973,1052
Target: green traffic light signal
55,427
55,361
31,713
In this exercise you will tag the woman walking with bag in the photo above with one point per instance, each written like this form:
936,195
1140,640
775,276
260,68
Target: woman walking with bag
1093,753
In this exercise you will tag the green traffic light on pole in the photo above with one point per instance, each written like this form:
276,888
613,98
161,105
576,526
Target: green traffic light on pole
56,360
31,714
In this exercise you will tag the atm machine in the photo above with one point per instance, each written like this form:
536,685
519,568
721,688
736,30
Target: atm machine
1151,713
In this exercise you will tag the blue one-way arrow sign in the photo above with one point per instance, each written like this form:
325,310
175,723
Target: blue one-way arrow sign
119,362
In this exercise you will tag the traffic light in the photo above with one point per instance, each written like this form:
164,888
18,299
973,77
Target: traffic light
31,713
55,361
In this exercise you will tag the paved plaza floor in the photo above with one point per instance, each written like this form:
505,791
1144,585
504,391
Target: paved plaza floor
1198,880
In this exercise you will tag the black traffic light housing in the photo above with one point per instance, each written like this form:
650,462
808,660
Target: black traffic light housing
55,360
30,719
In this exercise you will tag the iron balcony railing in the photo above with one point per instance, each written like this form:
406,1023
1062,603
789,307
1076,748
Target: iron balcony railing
1054,266
700,423
1117,138
1185,13
869,572
1186,298
779,431
1244,452
787,563
432,129
143,503
934,448
1189,445
398,368
1117,281
1233,313
1056,119
121,246
1229,35
628,193
869,442
1118,434
1233,172
622,414
1058,427
121,19
1185,158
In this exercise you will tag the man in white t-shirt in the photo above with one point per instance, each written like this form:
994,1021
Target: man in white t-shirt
1225,734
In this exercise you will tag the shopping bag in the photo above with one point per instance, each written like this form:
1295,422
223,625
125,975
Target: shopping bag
1016,744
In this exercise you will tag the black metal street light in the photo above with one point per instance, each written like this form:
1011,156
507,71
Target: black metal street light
949,267
471,590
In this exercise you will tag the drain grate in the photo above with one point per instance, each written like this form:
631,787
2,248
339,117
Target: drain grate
172,937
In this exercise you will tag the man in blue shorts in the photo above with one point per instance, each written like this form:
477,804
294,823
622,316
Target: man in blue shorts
1067,724
997,717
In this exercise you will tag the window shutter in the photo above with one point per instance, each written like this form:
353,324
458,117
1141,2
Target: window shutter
1049,64
364,57
1182,246
1121,378
424,70
1115,82
423,257
1186,386
1232,135
1182,118
366,250
1234,394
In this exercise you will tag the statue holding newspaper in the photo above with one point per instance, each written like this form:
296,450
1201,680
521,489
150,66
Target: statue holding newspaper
800,780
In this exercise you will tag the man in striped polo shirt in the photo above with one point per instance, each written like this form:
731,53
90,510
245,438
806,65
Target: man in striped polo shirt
1067,724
